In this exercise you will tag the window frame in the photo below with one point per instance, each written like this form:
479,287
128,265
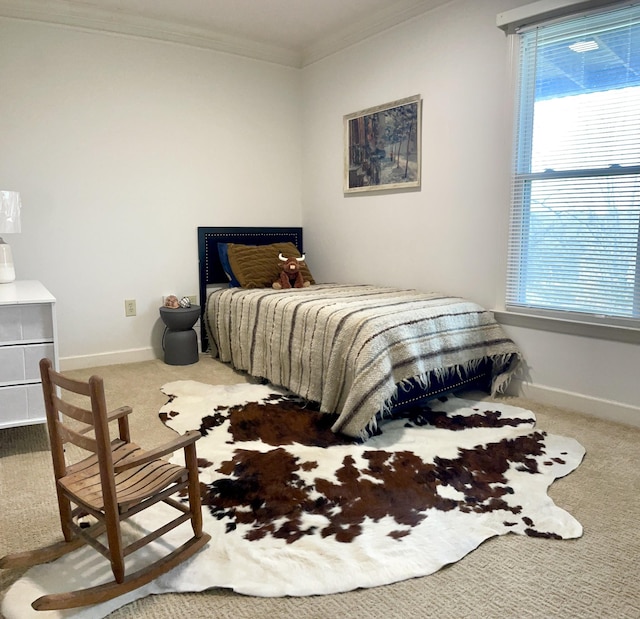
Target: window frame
522,314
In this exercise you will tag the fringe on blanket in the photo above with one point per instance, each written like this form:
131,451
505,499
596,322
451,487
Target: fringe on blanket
504,368
509,364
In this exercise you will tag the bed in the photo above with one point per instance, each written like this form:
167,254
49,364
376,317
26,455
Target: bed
363,352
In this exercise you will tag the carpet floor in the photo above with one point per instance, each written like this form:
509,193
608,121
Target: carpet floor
593,576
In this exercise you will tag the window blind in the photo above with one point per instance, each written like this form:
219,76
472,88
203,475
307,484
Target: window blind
575,223
513,20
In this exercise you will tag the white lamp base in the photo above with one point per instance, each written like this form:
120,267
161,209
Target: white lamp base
7,270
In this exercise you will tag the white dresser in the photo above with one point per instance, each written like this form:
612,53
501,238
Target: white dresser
27,333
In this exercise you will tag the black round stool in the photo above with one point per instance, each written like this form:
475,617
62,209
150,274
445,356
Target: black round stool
180,342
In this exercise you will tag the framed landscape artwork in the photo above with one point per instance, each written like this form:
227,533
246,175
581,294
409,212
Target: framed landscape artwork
382,147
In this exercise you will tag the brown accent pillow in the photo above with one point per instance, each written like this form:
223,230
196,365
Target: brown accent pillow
258,266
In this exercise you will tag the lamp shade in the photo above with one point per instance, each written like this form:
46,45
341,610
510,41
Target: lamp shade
9,224
9,212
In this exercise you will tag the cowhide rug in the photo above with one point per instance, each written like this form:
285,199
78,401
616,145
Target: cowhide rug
295,510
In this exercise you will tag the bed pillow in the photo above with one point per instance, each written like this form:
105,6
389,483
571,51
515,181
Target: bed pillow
223,253
258,266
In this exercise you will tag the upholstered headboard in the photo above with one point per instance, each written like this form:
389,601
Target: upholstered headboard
210,267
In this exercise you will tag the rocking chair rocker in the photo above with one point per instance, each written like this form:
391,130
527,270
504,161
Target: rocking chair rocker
117,481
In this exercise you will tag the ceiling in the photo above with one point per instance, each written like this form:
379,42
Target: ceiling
290,32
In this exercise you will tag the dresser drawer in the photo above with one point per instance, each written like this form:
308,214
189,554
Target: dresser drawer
21,404
19,364
31,321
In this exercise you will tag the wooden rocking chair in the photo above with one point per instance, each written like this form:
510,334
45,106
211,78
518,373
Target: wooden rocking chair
118,480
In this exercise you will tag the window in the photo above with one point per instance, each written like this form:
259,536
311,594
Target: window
575,228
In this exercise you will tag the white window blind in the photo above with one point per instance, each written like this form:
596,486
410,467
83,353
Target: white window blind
575,226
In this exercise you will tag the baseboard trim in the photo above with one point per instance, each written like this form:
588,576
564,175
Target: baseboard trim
132,355
596,407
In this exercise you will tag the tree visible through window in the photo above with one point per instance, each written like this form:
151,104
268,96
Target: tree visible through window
575,231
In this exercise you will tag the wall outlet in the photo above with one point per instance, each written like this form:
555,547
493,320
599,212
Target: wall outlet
130,307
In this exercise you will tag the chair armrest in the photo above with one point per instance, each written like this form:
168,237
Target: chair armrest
180,442
119,412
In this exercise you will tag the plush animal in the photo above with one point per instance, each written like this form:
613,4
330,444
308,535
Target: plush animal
172,301
290,277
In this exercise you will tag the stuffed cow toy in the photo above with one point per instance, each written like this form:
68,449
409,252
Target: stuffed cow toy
290,276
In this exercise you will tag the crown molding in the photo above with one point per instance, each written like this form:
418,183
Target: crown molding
395,13
77,15
87,17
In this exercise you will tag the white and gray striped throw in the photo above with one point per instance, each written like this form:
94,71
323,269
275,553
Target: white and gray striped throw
349,348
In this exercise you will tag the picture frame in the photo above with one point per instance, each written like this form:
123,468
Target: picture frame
382,147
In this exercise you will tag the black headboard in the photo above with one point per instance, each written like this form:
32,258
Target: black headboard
210,268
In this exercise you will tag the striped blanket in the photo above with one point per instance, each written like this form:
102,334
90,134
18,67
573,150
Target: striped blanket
349,348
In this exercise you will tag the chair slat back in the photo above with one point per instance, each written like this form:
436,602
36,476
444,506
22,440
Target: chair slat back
68,435
75,412
56,388
70,384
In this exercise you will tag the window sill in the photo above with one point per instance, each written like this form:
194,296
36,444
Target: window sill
628,335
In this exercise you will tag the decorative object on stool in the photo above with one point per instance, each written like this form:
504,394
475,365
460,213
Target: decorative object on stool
179,341
172,301
185,302
9,224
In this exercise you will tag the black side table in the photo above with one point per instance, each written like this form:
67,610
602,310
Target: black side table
180,342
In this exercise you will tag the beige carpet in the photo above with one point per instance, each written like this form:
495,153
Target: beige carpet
594,576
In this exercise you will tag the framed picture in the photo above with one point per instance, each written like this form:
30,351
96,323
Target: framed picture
382,147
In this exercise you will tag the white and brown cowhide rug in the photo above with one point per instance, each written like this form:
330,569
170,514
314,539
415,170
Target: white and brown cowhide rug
294,509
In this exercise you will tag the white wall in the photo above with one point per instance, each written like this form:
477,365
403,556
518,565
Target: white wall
442,237
451,235
120,148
